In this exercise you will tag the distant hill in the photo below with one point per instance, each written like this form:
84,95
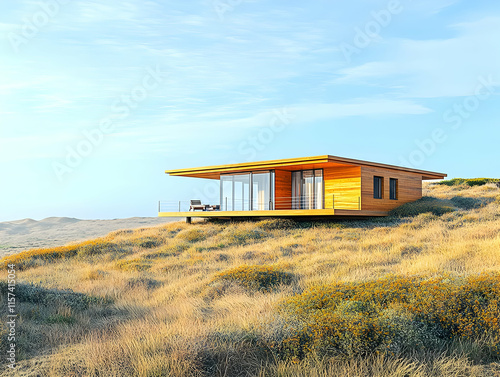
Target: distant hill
19,235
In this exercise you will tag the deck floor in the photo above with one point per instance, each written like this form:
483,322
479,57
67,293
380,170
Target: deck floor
276,213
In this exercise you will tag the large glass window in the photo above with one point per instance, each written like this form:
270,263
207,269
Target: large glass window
307,189
247,191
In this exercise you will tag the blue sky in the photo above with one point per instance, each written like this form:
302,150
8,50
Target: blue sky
97,100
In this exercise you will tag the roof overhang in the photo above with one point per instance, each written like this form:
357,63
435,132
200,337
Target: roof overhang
292,164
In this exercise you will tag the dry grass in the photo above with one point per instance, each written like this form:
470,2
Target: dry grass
152,309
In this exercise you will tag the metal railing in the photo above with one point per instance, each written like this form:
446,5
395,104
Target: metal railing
280,203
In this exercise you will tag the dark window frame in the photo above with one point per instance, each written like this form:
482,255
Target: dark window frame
378,190
394,190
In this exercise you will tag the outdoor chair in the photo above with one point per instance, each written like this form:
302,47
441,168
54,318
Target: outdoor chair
196,205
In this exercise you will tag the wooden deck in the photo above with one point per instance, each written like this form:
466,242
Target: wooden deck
314,213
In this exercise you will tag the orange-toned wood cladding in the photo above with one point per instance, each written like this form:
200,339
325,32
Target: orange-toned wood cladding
409,188
343,185
283,189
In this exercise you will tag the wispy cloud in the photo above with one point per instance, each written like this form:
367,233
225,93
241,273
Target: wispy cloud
447,67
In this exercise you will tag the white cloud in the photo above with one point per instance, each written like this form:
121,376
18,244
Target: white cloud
436,68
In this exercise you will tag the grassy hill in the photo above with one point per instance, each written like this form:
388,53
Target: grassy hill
414,294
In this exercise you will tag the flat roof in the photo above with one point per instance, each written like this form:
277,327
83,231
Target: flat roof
291,164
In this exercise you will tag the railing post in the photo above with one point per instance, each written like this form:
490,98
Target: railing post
333,201
179,205
270,205
159,206
226,203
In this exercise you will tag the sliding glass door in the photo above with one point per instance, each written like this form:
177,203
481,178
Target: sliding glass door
261,191
319,187
308,189
247,191
226,187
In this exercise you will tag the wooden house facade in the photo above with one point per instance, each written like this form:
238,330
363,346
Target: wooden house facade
321,186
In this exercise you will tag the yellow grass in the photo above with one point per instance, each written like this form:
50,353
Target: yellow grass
167,312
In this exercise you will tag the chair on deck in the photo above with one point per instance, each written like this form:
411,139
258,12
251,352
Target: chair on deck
196,205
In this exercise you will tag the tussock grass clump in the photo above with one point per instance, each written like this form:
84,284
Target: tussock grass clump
242,236
381,365
93,274
92,248
32,258
263,278
169,250
65,319
147,242
39,257
192,235
143,282
35,294
136,264
395,314
273,224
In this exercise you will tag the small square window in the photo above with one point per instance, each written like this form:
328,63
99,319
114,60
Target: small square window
378,187
394,189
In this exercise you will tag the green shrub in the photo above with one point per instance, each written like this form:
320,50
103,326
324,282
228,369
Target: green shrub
395,314
404,332
263,278
426,204
347,308
469,182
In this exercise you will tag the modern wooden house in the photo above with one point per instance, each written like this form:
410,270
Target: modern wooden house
322,186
